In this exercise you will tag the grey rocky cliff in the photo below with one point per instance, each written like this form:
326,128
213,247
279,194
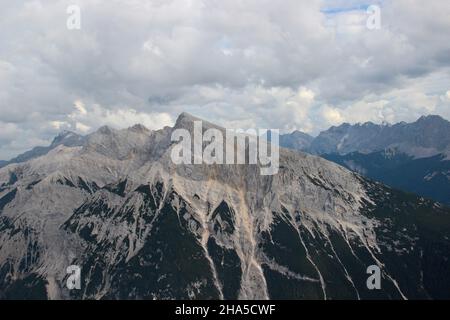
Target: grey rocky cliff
142,227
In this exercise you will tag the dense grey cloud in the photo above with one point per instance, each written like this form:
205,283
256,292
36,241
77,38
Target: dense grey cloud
274,64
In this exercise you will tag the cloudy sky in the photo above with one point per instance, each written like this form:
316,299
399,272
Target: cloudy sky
286,64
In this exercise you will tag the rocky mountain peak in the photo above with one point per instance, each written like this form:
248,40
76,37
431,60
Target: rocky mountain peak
142,227
297,140
67,138
139,128
106,130
185,118
432,119
186,121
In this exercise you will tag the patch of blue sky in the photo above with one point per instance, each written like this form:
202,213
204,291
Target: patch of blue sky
338,7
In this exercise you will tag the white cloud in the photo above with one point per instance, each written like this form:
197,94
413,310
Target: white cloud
79,105
84,118
80,127
58,125
332,115
254,62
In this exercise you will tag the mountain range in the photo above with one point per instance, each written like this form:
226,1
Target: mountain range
141,227
414,157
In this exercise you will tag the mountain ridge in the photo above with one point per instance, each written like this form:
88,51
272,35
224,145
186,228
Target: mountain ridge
413,157
142,227
426,137
296,140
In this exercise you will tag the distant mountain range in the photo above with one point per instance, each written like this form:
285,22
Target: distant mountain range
65,138
141,227
414,157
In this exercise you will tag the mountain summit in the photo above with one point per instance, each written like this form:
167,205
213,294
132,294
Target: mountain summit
141,227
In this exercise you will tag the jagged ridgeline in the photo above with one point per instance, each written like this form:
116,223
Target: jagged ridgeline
414,157
140,227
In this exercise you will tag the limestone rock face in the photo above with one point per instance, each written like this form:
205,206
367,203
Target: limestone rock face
141,227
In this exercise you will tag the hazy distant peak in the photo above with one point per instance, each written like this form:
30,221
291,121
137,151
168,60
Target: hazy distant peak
105,130
430,133
431,118
139,128
67,138
301,133
186,121
368,124
185,118
66,133
296,140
